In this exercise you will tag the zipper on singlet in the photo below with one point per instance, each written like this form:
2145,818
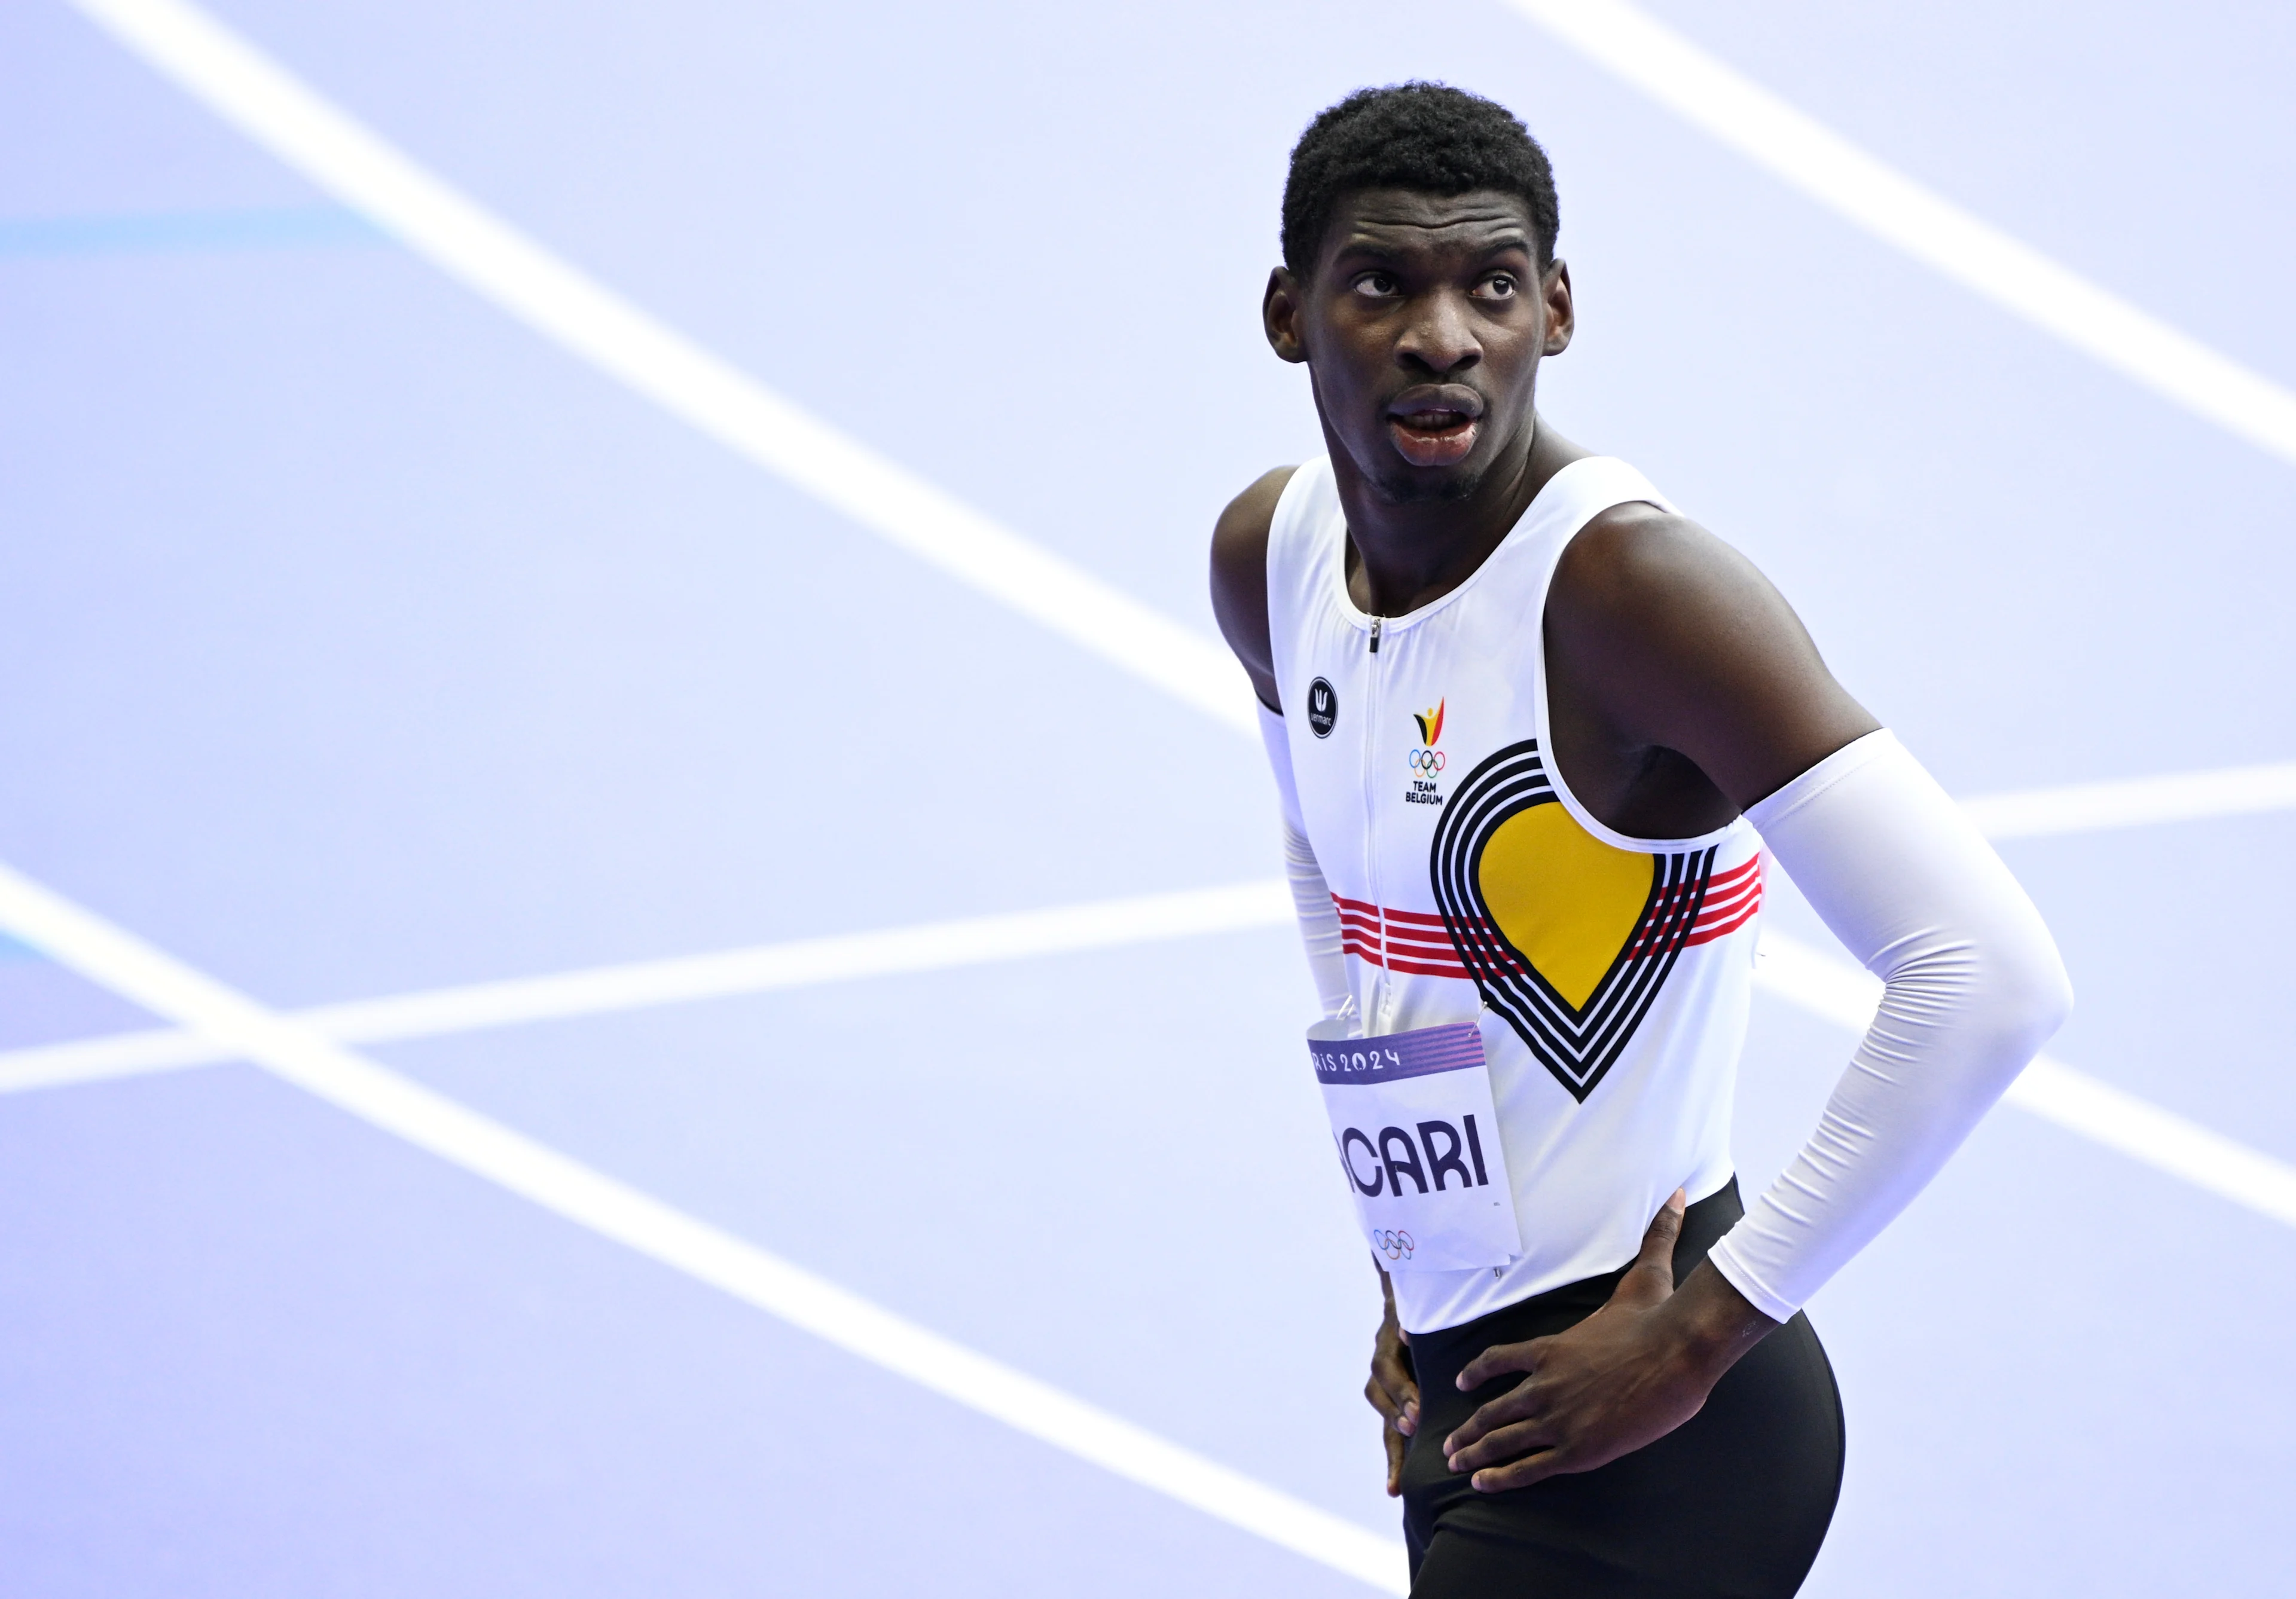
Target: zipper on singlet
1378,1017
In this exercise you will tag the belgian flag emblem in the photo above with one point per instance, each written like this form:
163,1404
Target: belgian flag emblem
1431,724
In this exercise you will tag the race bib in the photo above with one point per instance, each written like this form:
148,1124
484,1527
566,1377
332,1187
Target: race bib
1411,1114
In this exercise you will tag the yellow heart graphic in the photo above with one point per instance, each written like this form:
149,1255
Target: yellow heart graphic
1562,896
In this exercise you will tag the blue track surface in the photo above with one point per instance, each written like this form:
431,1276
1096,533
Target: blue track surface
356,640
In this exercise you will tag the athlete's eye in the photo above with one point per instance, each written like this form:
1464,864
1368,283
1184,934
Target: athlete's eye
1499,285
1376,285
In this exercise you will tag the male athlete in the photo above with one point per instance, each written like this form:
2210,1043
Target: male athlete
1526,719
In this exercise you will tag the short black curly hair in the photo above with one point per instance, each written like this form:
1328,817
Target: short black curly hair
1428,137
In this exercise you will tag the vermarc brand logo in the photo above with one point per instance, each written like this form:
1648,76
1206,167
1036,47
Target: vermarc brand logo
1322,708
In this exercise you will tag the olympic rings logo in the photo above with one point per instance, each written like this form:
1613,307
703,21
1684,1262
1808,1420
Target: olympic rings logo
1395,1245
1427,762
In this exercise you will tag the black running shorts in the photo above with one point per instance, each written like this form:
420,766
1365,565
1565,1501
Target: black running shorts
1733,1503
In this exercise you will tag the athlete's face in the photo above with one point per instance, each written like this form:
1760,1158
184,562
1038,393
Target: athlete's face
1422,326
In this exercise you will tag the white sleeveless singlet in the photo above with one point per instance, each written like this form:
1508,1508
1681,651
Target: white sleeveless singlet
1468,876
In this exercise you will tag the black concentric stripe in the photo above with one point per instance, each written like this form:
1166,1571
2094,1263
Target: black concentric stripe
1506,783
1579,1046
1628,990
1499,788
1576,1045
1509,782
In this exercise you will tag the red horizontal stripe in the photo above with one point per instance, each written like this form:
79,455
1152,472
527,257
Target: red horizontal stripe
1737,886
1714,910
1398,961
1364,908
1414,969
1418,944
1738,918
1415,919
1716,920
1415,943
1425,949
1353,912
1706,934
1437,949
1751,866
1407,952
1737,904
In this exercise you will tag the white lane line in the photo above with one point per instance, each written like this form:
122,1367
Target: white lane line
1826,985
758,969
1812,158
101,1059
2031,813
289,1049
557,299
2136,801
1837,990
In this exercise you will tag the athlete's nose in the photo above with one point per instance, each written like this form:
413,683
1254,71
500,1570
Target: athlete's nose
1441,337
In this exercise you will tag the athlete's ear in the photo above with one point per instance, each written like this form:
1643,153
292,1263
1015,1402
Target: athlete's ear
1281,309
1562,319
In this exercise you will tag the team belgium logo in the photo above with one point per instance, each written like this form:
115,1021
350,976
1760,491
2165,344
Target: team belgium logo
1569,938
1427,760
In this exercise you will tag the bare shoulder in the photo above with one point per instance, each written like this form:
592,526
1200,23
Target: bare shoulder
1673,638
1635,563
1240,537
1240,576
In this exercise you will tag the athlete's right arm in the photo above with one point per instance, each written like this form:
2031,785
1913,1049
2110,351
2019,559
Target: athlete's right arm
1393,1388
1240,602
1240,597
1239,579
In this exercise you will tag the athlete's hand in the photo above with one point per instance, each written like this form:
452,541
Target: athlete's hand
1629,1375
1393,1390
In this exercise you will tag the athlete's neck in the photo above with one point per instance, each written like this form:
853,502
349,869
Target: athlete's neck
1404,554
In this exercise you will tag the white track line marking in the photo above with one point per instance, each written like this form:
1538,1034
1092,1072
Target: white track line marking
2136,801
1827,986
758,969
563,303
248,89
1839,991
1812,158
99,1059
300,1056
2032,813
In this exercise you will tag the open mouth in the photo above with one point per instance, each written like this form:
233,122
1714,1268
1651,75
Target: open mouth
1435,424
1432,437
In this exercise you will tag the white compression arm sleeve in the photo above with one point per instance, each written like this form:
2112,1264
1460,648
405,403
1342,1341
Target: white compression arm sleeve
1319,918
1972,988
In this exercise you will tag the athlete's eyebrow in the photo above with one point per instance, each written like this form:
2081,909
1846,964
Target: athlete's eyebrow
1373,244
1506,242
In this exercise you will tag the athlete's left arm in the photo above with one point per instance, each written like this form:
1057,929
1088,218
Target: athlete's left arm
1679,644
1668,639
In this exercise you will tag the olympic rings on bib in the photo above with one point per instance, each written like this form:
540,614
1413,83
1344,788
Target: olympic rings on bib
1396,1245
1429,761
